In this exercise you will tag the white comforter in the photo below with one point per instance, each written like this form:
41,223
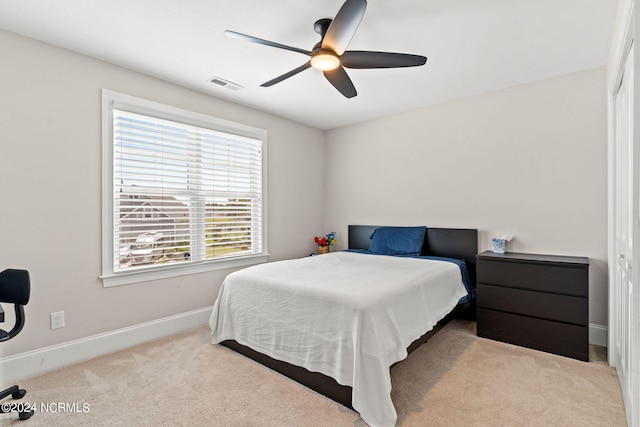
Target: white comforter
347,315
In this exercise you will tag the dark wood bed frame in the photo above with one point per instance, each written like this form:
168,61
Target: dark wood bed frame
458,243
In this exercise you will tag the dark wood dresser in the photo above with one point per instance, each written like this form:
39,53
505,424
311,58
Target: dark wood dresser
536,301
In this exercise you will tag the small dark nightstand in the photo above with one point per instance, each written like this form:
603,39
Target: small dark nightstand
536,301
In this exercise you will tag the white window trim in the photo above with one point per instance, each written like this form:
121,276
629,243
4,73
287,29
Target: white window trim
111,100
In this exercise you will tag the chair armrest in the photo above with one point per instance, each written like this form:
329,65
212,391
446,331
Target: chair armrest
19,324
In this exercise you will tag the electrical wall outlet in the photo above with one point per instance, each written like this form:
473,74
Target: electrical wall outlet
57,320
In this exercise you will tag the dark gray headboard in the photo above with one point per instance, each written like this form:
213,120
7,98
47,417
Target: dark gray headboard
461,243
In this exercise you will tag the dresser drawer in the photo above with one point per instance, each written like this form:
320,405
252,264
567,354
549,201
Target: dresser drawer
559,338
567,279
562,308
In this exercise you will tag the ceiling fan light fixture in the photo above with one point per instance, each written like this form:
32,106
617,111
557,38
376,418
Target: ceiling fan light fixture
330,54
324,60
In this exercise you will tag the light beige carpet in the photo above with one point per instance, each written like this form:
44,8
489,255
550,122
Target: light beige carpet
456,379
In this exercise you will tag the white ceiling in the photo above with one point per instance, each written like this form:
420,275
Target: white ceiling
472,46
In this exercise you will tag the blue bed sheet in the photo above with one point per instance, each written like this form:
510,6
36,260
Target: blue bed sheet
471,292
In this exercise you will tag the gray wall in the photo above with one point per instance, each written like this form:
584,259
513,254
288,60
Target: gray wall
530,161
50,181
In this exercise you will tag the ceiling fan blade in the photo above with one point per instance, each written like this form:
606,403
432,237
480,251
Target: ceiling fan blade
286,75
341,81
252,39
344,26
369,59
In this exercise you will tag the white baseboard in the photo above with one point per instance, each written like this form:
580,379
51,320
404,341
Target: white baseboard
597,335
36,362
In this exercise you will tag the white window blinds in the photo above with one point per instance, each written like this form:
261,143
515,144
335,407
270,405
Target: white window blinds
183,193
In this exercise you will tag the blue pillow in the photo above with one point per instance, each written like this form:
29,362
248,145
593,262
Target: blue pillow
397,240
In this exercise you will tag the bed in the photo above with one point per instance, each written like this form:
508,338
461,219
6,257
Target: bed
337,322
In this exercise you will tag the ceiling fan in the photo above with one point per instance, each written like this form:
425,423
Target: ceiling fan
330,55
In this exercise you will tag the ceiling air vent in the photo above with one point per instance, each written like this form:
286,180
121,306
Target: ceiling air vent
225,83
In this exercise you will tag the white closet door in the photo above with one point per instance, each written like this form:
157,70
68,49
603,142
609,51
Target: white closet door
624,290
624,223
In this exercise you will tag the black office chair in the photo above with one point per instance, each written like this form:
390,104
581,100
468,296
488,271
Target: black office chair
15,288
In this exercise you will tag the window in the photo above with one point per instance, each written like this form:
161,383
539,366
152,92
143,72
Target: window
182,192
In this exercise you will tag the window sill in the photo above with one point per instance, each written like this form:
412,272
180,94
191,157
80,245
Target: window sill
129,277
